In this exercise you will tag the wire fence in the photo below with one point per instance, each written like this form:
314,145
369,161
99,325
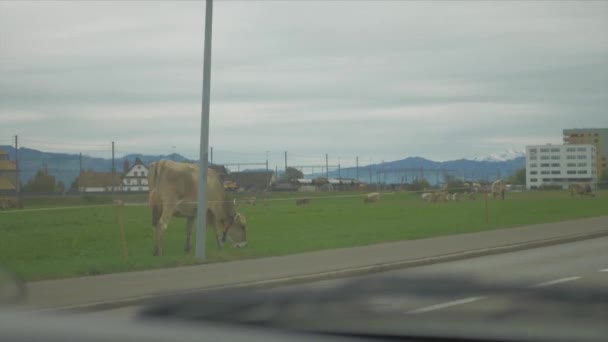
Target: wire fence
66,160
98,168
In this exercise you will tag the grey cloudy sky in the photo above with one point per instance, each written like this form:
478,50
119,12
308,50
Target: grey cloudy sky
381,80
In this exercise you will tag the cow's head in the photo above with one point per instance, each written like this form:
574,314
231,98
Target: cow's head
237,232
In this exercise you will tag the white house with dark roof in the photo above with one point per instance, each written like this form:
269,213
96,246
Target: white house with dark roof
136,178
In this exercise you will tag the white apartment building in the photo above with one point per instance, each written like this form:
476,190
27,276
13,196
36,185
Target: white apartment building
560,165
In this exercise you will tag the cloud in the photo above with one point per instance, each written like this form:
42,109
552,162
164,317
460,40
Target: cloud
376,79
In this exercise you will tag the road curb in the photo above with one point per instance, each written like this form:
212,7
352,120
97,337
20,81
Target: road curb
341,273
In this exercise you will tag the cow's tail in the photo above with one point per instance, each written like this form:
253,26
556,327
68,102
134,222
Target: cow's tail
156,208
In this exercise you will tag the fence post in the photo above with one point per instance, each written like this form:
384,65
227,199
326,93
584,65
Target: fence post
486,203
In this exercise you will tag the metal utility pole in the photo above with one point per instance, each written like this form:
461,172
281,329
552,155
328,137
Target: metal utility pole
113,168
267,175
18,181
211,156
326,166
285,161
357,167
201,210
80,169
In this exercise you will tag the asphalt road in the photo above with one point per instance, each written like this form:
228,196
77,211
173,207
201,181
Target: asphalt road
573,264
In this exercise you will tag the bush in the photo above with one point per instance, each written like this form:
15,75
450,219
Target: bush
551,187
97,199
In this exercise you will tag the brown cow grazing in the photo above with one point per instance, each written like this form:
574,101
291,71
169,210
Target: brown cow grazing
302,201
174,191
371,197
581,189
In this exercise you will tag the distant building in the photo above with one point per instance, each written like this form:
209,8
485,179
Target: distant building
560,165
91,181
136,177
597,137
252,180
8,175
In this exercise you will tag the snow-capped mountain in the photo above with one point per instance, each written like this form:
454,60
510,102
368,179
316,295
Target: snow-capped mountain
502,156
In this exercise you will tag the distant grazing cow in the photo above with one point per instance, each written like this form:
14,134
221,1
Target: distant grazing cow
427,197
173,192
302,201
249,201
498,189
455,197
371,197
581,189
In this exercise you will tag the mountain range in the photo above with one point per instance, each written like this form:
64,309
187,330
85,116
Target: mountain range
65,167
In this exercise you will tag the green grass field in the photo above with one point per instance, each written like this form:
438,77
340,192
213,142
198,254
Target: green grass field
86,241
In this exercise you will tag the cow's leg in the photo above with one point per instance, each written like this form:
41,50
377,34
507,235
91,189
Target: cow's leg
161,227
219,234
189,225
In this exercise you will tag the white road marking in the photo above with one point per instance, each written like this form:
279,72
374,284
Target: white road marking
603,270
446,305
556,281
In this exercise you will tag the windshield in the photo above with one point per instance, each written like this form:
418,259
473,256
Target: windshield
344,138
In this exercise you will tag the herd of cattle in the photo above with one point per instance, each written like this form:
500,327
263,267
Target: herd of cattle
174,190
469,191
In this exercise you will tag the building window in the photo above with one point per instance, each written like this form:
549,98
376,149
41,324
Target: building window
544,172
555,149
581,149
555,157
582,164
555,165
533,180
571,149
582,156
546,179
556,172
582,172
532,157
533,172
532,150
544,150
544,157
571,172
571,164
533,165
570,157
544,165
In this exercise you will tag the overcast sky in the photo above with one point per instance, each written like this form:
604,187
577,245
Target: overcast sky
379,80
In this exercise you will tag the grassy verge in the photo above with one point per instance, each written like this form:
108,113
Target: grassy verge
86,241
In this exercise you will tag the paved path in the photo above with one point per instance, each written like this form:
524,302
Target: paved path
582,263
132,286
